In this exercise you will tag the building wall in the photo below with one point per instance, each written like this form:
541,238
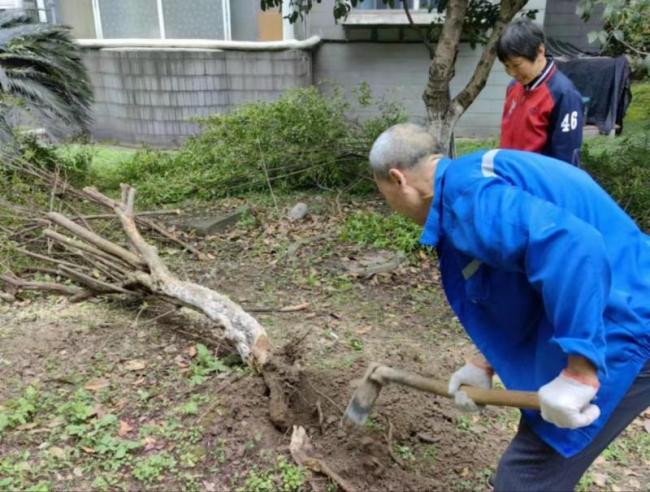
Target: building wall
398,72
149,95
563,24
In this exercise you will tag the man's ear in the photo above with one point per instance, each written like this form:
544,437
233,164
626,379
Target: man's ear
396,176
541,50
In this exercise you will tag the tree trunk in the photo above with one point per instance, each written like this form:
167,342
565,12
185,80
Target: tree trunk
443,112
437,95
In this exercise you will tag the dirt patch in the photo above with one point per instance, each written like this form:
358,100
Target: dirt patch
124,399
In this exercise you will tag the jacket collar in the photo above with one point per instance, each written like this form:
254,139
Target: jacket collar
549,69
431,230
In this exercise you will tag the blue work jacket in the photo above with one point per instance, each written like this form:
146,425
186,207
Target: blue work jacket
538,262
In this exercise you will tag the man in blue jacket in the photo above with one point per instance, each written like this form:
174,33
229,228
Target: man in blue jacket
550,279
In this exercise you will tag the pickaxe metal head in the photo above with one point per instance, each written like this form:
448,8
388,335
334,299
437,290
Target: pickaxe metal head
364,397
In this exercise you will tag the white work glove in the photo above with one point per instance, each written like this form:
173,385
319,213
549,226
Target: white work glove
470,375
566,402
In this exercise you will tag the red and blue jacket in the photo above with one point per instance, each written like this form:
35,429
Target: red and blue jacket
539,263
545,116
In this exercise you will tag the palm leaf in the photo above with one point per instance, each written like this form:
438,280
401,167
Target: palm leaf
41,65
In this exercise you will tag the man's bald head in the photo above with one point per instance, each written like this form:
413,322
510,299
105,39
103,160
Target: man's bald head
402,147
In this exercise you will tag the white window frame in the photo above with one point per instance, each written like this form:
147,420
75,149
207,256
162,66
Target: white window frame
99,33
398,6
42,12
394,16
11,4
416,6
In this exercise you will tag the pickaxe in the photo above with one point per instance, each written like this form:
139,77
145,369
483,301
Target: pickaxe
377,376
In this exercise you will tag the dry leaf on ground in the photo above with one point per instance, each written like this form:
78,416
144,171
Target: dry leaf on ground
125,428
135,365
97,384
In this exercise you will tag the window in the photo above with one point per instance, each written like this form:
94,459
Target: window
412,4
377,13
10,4
162,19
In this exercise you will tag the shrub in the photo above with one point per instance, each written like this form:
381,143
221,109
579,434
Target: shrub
623,170
302,140
73,167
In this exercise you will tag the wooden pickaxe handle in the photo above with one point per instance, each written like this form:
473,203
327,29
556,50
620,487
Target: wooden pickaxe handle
480,396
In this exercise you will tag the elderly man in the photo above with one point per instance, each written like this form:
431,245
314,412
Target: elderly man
550,279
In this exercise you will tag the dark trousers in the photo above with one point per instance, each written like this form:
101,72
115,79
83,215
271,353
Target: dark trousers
529,464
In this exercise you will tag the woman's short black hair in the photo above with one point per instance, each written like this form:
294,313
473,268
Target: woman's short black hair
520,38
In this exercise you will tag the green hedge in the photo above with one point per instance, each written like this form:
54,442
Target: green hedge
302,140
623,169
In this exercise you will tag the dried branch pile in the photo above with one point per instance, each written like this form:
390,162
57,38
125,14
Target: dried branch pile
95,265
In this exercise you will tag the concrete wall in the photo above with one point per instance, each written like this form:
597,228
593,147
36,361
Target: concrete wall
398,71
149,95
563,24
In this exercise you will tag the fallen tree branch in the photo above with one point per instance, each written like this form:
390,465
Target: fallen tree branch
149,213
96,240
97,254
21,284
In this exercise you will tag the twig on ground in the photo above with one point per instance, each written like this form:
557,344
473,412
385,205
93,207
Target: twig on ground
21,284
285,309
320,417
148,213
389,440
153,320
268,180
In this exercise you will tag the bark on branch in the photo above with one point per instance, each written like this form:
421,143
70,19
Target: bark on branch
113,269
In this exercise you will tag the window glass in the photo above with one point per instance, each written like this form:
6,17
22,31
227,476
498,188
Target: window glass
195,19
380,5
129,18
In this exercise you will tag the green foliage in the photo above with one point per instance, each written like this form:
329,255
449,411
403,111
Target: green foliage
204,363
626,29
101,162
41,66
191,407
79,409
393,232
469,145
405,452
153,468
302,140
284,477
430,453
623,169
463,423
19,411
17,473
96,434
639,110
629,447
73,167
293,477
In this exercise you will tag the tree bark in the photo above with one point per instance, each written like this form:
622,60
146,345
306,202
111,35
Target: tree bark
443,112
